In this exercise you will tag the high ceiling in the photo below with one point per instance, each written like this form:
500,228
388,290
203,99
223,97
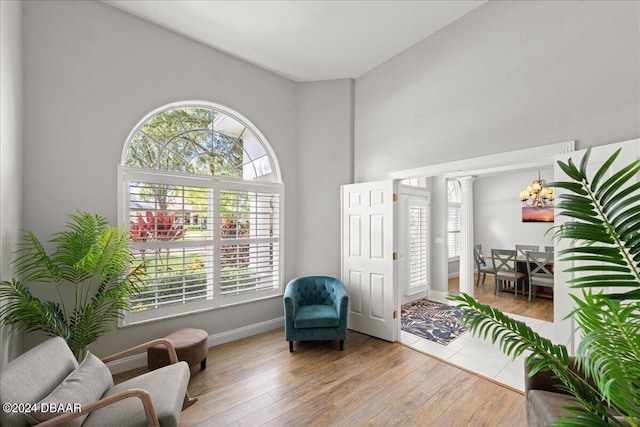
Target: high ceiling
304,40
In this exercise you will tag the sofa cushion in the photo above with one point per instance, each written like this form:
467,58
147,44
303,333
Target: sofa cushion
545,407
83,386
316,316
167,387
33,375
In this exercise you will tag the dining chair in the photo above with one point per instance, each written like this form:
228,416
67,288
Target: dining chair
506,268
548,249
523,249
481,265
539,270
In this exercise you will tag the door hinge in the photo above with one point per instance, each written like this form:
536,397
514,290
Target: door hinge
395,197
395,256
395,314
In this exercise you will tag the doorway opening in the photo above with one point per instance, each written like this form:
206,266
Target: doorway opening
490,186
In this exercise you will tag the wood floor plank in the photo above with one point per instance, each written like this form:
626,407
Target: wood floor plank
257,382
463,387
399,411
538,308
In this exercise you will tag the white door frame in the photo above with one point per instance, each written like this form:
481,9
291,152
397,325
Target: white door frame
533,157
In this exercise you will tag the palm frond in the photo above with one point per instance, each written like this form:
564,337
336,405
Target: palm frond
608,189
611,327
585,417
515,337
74,243
609,216
32,262
23,311
602,170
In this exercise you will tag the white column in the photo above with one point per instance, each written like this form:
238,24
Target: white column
466,235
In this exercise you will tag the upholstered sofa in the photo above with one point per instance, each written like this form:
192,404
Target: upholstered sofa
544,401
315,309
49,375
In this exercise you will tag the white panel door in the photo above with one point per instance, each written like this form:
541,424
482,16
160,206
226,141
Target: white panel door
563,304
368,269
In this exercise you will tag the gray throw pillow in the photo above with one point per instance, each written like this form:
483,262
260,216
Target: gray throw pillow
85,385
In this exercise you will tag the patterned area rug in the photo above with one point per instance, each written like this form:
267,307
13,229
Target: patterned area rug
432,320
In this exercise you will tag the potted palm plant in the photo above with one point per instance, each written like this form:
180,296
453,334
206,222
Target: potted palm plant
604,228
90,270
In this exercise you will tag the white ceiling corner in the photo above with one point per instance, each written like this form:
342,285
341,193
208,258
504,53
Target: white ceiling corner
304,40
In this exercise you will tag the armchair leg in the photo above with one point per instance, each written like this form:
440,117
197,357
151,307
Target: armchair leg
203,364
341,345
188,401
290,346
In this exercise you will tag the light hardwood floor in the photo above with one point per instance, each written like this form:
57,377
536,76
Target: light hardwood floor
539,308
257,382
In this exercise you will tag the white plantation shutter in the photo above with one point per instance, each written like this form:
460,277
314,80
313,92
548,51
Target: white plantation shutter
454,197
418,240
217,242
249,250
453,230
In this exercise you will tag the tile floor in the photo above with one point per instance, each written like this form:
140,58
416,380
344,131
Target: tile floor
480,356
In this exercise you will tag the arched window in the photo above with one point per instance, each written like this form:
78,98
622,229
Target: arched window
201,194
453,222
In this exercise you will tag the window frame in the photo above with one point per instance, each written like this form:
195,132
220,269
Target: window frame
215,185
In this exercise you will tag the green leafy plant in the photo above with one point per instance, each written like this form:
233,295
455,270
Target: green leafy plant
604,228
90,270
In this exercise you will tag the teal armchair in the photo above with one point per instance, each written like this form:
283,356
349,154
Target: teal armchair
315,309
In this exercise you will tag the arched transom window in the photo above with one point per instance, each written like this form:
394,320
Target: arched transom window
202,197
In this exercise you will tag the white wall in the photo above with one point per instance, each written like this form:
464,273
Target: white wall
506,76
497,212
509,75
324,134
91,73
11,134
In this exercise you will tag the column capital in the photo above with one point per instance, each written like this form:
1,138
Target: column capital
467,179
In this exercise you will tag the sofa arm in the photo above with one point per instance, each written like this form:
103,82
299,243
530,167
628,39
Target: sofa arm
173,358
150,413
544,380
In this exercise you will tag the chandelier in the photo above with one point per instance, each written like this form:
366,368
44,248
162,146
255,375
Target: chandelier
538,195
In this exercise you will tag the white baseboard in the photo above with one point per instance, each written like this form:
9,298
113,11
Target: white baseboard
140,360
